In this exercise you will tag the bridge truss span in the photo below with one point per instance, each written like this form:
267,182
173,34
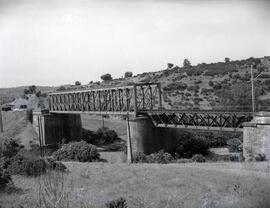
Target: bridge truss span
118,100
225,121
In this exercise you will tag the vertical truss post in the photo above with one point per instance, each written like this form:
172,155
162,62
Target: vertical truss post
159,95
99,101
135,100
151,97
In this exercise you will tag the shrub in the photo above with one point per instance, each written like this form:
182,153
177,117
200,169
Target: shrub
128,74
160,157
198,158
260,157
77,151
77,83
106,77
189,145
176,86
186,63
117,203
28,165
90,137
184,160
10,148
54,165
236,157
5,179
106,135
217,86
194,88
140,157
234,145
61,88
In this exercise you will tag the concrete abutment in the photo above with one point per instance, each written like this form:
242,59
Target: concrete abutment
256,137
53,128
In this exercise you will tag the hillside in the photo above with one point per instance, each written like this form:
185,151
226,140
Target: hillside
214,86
10,94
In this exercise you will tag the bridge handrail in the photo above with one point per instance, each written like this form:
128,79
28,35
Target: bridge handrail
105,88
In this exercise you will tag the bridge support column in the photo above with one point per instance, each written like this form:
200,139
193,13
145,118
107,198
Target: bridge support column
53,128
144,136
256,137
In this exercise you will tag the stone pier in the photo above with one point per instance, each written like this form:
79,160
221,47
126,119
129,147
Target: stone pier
147,138
256,137
53,128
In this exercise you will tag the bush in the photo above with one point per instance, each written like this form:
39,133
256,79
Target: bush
234,145
106,135
77,83
61,88
106,77
198,158
28,165
54,165
184,160
128,74
194,88
140,157
90,137
10,148
217,86
5,179
176,86
117,203
160,157
236,157
189,145
77,151
260,157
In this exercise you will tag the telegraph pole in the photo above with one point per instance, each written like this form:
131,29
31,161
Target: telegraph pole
252,90
1,121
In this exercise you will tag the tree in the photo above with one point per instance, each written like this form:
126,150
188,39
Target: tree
128,74
38,93
186,63
26,91
169,65
77,83
106,77
227,60
61,88
31,90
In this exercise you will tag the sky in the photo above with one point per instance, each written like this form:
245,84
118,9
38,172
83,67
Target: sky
56,42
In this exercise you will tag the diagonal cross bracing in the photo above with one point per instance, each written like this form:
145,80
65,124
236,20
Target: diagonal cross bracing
118,100
225,121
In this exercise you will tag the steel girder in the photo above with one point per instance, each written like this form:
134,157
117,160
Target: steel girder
226,121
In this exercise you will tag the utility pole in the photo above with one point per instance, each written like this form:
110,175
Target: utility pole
252,90
1,120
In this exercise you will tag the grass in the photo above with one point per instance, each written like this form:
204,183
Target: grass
147,185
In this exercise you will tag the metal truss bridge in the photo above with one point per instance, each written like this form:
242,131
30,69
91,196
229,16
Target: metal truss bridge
143,99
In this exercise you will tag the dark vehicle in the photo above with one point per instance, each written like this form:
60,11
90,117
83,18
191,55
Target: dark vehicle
23,106
7,108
